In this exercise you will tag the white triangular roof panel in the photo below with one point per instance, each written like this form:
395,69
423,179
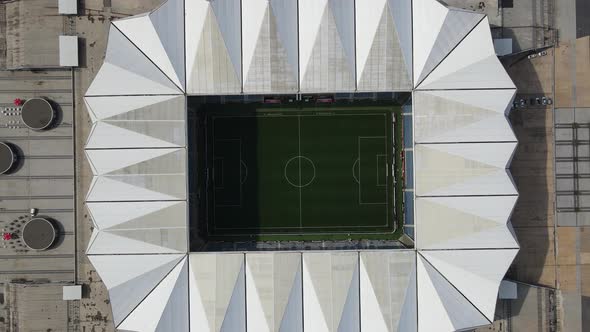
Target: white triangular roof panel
457,24
270,51
228,15
271,284
310,12
408,319
328,280
107,161
252,19
491,154
401,11
475,273
168,20
142,33
473,64
292,314
285,12
367,15
113,214
330,41
257,319
427,20
105,189
93,237
381,62
350,318
110,78
145,134
196,12
116,243
441,307
213,55
165,308
316,318
499,101
136,122
138,227
137,174
343,11
385,283
129,278
462,116
217,292
464,222
463,169
127,71
150,107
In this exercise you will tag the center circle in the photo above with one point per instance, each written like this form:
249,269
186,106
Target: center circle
299,171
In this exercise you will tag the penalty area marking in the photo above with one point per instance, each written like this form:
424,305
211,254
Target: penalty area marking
359,139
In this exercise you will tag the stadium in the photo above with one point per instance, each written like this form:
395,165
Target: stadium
317,165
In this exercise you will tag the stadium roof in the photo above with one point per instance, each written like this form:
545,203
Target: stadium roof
463,145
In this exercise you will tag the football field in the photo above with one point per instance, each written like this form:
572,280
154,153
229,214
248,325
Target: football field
300,171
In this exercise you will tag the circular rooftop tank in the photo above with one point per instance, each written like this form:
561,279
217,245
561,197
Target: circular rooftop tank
7,158
38,234
37,113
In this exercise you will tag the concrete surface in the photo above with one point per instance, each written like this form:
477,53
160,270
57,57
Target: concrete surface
487,7
28,46
530,312
572,156
44,179
572,143
532,171
529,23
39,307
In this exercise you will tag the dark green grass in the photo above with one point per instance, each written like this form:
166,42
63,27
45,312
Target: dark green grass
291,174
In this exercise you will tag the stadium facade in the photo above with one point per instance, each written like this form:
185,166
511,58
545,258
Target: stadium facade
462,198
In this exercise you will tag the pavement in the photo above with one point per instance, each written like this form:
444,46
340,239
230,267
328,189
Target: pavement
532,169
487,7
529,23
572,141
532,311
43,179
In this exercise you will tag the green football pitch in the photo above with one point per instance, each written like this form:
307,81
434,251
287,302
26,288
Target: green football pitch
300,171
